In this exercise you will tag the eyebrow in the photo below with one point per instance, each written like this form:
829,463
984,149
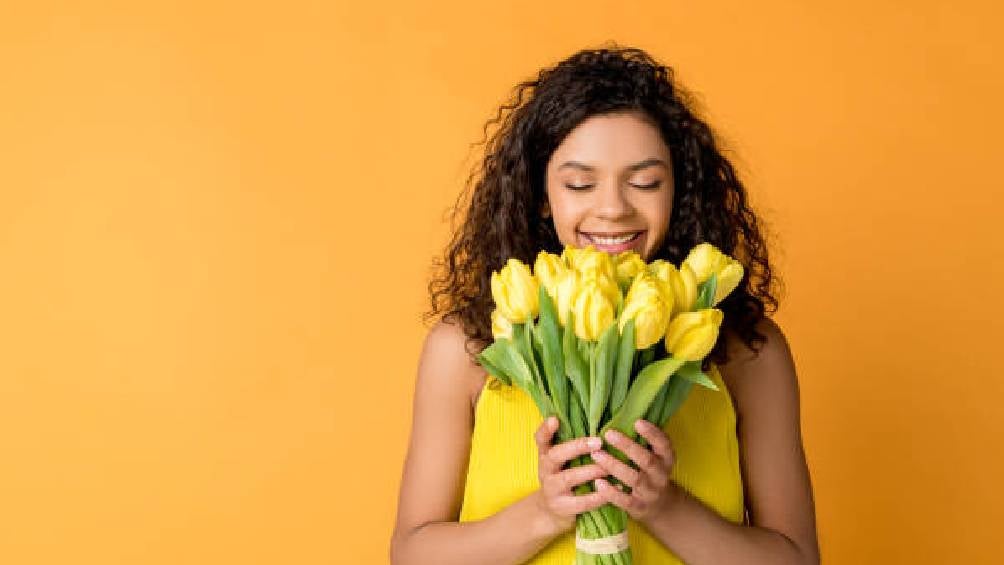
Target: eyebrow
633,167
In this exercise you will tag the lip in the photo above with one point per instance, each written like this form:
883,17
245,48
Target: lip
634,244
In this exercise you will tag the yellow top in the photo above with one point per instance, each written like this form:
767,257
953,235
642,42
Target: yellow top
503,463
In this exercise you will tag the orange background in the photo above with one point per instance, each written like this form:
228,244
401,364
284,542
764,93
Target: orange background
216,223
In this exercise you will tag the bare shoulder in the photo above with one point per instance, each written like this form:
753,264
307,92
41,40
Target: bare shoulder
446,346
766,372
765,392
442,421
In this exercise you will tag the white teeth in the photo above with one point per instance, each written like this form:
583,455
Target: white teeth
612,240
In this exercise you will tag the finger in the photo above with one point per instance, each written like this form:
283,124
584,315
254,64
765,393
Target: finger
543,435
570,478
617,468
566,450
577,504
616,496
660,442
641,456
545,431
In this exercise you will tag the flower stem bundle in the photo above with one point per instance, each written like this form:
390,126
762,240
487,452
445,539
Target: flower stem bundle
600,341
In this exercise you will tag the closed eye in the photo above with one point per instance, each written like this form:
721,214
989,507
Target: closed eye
654,185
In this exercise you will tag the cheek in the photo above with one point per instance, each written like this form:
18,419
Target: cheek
565,213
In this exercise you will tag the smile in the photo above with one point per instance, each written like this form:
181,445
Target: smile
613,243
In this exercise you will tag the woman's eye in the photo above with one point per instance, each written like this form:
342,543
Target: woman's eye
653,185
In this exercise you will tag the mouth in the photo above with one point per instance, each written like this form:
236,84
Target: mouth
612,242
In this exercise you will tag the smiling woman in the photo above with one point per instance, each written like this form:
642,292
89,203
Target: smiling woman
613,188
604,149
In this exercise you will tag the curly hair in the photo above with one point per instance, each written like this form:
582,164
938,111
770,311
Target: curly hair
503,218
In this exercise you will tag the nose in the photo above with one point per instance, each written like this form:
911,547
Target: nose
611,203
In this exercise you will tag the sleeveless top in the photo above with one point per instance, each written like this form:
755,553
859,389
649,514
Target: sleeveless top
502,466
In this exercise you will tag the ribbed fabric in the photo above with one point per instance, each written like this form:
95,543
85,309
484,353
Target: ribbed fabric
503,463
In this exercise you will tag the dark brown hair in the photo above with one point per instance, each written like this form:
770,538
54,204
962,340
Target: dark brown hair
503,217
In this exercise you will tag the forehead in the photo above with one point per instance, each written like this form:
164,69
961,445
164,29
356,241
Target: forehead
611,141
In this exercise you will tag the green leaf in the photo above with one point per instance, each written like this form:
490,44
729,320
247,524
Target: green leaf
576,416
707,294
641,394
692,372
503,357
602,377
530,354
538,391
677,391
622,369
647,355
492,369
575,365
658,403
553,360
577,420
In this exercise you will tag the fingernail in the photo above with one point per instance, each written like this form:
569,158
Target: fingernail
611,435
594,443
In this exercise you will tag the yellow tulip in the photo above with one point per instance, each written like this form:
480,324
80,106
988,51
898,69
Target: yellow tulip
728,279
501,326
681,281
628,264
588,259
570,255
692,335
607,285
705,259
548,268
564,293
646,304
593,310
514,290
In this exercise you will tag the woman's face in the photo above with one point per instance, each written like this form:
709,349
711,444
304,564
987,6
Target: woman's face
610,184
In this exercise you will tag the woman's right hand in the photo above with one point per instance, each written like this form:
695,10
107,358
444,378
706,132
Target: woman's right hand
555,498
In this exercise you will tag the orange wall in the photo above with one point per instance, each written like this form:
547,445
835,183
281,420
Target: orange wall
216,219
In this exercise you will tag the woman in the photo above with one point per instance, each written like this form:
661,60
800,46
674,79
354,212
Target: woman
604,149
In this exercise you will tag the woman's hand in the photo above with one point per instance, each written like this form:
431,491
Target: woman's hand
652,491
555,498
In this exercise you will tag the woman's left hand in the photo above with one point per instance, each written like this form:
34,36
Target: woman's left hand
652,491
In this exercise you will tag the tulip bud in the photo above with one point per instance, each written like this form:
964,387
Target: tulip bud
501,326
570,255
628,264
607,285
692,335
590,260
514,290
548,269
593,310
681,281
705,259
646,304
564,293
728,279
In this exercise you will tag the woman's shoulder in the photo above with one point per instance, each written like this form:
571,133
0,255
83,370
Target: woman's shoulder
447,345
755,377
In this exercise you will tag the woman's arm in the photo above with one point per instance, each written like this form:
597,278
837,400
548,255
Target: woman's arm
776,476
427,530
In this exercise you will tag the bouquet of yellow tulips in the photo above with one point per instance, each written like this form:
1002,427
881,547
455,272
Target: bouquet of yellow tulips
599,341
